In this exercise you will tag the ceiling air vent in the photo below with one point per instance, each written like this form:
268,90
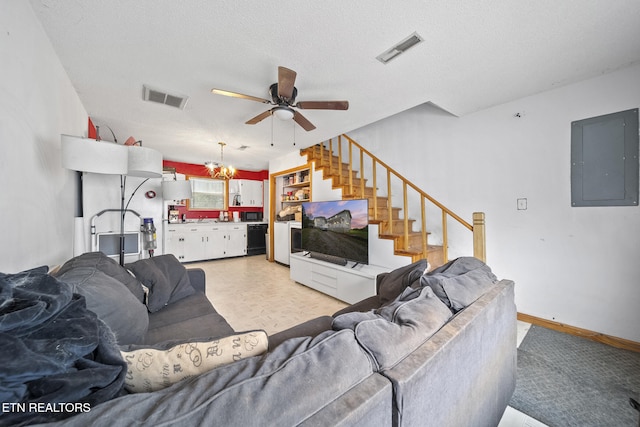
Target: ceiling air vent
399,48
155,95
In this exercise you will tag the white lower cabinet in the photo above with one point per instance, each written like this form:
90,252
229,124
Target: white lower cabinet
198,242
236,243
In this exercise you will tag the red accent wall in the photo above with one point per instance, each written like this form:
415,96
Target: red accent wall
191,169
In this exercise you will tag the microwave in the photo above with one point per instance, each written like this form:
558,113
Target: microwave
251,216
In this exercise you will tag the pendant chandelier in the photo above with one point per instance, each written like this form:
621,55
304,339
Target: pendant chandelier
221,171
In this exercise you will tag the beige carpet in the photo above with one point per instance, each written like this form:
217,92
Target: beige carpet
252,293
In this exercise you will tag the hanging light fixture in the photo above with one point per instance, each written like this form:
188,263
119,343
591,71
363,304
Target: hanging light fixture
220,171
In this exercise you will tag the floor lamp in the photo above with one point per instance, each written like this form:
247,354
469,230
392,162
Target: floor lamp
88,155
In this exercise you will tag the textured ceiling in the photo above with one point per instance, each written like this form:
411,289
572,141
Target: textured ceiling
475,54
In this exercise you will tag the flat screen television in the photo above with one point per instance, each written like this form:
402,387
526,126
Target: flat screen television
336,231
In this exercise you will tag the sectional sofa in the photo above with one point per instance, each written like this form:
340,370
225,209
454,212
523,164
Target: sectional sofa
429,349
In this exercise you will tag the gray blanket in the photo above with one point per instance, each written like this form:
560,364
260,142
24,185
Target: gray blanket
56,357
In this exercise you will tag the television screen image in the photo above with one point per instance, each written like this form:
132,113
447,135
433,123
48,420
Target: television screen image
338,229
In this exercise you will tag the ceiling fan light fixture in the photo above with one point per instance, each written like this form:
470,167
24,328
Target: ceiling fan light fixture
283,113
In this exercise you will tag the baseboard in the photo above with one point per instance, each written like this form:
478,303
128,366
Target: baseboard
584,333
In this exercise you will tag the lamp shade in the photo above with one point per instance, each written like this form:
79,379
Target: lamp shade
176,190
89,155
144,162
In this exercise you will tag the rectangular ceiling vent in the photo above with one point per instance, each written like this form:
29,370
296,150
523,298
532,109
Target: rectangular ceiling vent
155,95
399,48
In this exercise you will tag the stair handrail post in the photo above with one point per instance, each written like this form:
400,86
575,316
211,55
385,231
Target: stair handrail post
340,179
374,168
423,216
389,207
405,208
479,237
330,154
445,238
350,168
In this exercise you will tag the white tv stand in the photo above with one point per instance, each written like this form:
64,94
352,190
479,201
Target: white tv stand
347,283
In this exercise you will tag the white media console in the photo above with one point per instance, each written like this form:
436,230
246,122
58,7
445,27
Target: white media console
347,283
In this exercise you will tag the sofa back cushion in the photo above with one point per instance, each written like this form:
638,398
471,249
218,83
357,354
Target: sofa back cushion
111,301
460,282
166,278
108,266
392,332
390,285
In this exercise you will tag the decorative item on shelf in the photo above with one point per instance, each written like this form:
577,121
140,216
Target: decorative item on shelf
220,171
88,155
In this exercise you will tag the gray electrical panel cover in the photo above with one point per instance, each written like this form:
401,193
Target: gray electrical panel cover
604,160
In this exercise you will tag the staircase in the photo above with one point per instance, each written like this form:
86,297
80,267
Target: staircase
341,162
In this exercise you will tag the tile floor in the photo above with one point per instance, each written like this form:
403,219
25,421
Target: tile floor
252,293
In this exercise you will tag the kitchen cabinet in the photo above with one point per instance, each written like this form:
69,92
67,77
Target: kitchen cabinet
184,242
245,192
203,241
236,240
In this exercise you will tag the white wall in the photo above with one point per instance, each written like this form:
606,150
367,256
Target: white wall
578,266
37,104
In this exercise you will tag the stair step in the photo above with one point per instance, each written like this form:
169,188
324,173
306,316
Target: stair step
397,226
383,214
335,173
435,255
415,240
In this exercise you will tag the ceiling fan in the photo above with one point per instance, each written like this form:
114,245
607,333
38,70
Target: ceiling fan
283,96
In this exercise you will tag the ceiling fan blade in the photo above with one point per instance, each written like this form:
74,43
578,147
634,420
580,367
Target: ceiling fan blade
239,95
323,105
260,117
286,82
302,121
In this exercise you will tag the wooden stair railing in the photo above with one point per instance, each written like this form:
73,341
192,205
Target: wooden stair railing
381,211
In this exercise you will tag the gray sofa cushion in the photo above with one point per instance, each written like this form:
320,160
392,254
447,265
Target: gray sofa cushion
392,332
390,285
310,328
108,266
111,301
460,282
192,317
282,388
166,278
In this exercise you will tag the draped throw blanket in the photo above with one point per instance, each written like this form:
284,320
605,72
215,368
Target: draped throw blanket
56,357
